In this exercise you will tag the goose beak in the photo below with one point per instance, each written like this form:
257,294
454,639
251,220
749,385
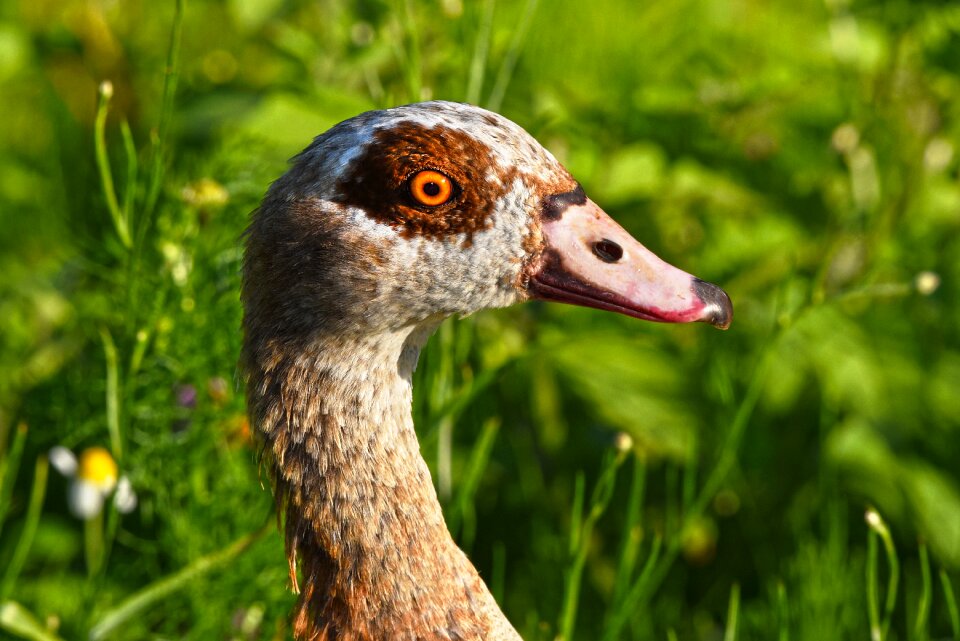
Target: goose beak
590,260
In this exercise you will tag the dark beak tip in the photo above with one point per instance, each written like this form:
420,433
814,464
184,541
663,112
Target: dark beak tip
717,301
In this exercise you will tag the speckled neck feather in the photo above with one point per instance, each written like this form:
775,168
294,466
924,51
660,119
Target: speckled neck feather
362,516
344,280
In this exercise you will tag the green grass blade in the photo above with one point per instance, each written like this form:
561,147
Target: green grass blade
112,393
783,613
120,222
921,628
479,458
951,600
441,389
465,396
892,584
17,620
142,340
93,544
170,77
22,550
632,531
130,188
498,575
873,596
9,466
576,513
730,633
688,486
725,462
478,62
445,460
672,506
879,628
599,500
510,60
163,588
892,580
731,444
414,68
637,593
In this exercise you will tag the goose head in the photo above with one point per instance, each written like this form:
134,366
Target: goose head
405,216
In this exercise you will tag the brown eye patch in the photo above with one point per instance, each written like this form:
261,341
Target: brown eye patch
380,180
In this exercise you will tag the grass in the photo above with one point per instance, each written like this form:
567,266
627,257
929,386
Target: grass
610,479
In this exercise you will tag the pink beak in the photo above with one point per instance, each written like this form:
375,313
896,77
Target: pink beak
590,260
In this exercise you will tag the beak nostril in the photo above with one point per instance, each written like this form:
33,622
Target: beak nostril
607,250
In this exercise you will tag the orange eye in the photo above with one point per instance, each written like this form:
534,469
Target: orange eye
431,188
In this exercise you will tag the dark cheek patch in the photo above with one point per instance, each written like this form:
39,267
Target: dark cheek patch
555,204
378,182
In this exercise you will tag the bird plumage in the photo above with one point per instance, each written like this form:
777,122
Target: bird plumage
346,275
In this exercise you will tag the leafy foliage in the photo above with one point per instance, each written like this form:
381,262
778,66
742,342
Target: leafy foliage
801,154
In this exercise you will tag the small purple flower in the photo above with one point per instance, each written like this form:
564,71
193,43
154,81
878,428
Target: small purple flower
187,396
186,399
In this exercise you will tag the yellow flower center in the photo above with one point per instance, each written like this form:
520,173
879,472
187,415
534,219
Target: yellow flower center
98,468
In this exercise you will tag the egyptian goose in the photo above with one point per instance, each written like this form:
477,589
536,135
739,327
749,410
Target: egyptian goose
384,226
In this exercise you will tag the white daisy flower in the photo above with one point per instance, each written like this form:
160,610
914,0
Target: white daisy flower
94,477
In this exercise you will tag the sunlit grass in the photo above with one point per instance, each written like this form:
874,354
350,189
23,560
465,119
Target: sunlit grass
610,479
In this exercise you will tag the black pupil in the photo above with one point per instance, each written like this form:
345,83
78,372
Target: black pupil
608,251
431,189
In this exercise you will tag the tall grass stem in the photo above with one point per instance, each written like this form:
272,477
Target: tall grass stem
893,580
498,575
9,466
879,628
783,613
112,393
17,620
120,222
463,510
921,628
130,187
599,500
873,592
635,597
93,546
413,69
22,549
163,588
510,60
576,513
733,610
171,74
445,459
632,531
717,476
478,62
951,599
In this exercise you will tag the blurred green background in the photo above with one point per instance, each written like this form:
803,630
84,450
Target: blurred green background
802,154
